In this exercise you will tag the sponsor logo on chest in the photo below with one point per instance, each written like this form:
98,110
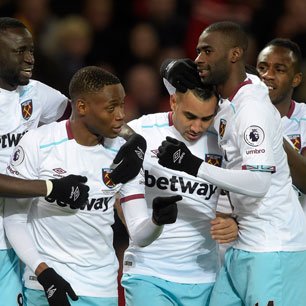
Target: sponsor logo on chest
180,184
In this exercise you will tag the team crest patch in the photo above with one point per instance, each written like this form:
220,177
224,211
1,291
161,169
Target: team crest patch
27,109
18,156
296,140
106,179
213,159
222,127
254,135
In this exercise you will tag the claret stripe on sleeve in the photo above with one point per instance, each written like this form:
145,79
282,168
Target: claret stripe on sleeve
132,197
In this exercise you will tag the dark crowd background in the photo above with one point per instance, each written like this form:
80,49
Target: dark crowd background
132,37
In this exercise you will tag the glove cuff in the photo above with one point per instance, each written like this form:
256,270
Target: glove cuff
49,186
195,165
44,277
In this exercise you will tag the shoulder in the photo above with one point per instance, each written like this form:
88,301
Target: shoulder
150,121
299,110
47,133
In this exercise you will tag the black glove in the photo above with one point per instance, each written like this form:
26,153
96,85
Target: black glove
70,190
165,209
181,73
175,155
56,288
130,157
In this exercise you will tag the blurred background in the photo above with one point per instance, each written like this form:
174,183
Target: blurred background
131,38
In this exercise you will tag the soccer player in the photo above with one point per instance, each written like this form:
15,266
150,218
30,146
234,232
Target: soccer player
81,251
279,66
24,103
267,265
180,267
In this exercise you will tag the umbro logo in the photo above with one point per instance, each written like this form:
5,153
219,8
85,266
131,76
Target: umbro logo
177,156
139,153
59,172
51,291
155,152
75,193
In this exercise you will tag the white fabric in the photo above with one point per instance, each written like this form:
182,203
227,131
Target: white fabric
185,251
250,135
20,111
78,244
247,183
294,127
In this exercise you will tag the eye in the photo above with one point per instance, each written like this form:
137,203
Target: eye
261,68
207,51
20,51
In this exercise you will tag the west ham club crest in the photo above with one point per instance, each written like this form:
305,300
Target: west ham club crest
222,127
27,109
213,159
296,140
106,179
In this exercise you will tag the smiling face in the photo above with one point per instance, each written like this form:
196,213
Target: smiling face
103,111
192,116
16,57
277,69
213,58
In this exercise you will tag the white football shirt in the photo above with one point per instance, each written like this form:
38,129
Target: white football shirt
294,126
250,135
185,251
21,110
77,243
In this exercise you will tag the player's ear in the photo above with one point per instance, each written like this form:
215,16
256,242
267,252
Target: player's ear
236,54
173,101
297,80
81,106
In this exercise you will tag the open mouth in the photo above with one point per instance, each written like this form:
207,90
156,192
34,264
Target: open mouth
27,72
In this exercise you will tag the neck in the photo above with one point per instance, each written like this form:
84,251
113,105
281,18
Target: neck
81,134
235,78
283,107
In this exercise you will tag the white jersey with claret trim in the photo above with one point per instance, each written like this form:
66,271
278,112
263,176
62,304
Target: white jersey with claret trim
251,137
21,110
185,251
294,126
77,243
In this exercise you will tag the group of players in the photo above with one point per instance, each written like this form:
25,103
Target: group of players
222,133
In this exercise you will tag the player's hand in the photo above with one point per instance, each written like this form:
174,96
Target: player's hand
181,73
70,190
130,159
175,155
165,209
224,229
56,288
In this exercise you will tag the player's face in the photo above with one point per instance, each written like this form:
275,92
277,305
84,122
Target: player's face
191,116
105,111
16,58
212,59
276,68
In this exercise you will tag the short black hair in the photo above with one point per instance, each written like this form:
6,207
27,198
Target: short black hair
205,92
9,23
290,45
233,31
90,79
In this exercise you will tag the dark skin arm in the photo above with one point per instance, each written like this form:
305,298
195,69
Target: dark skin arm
297,164
19,188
